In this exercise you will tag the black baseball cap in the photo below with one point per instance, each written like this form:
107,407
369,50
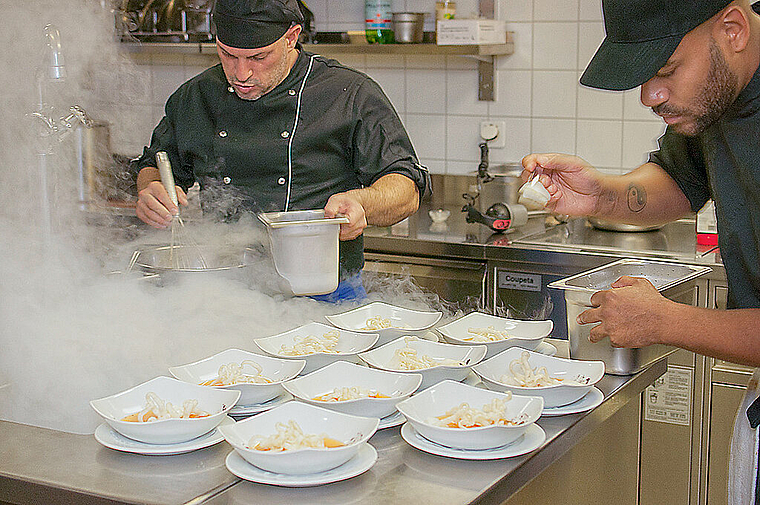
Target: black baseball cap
251,24
641,36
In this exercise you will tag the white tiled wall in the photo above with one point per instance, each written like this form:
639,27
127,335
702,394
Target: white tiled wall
537,90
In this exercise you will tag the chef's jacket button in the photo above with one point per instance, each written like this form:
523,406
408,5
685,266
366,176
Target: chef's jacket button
230,89
281,181
285,134
291,92
222,133
226,180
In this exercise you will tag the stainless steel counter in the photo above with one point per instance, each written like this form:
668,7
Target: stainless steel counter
51,467
456,238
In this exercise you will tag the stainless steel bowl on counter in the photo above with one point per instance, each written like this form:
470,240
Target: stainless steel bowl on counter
674,281
603,224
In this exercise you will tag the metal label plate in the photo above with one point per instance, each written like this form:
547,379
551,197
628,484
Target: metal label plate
518,280
668,400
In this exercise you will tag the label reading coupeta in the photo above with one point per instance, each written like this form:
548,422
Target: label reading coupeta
519,280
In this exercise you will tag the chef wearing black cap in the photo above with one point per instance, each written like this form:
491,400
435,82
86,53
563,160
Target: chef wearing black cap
274,128
697,64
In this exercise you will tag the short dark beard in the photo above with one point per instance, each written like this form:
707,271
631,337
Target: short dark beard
717,94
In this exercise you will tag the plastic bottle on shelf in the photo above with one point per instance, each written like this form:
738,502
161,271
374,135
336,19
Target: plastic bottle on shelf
378,17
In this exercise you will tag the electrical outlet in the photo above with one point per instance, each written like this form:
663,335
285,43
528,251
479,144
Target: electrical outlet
491,129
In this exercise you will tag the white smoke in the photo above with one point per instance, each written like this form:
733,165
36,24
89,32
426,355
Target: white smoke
70,330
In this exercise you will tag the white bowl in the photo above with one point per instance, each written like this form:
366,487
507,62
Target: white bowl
526,334
351,430
398,386
276,369
403,321
584,375
350,343
440,398
381,358
217,402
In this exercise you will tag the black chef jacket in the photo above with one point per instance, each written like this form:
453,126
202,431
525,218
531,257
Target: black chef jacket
723,163
325,129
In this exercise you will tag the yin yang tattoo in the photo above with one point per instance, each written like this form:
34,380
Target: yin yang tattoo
637,198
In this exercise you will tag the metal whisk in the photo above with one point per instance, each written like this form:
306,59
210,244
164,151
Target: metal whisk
184,252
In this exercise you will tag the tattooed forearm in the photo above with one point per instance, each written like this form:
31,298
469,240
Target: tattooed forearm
637,197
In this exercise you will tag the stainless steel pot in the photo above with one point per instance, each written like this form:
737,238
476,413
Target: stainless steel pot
503,187
408,27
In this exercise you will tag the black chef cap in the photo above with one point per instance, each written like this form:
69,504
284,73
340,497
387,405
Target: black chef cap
250,24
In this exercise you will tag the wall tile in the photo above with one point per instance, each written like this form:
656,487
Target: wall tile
635,110
462,93
515,10
462,138
590,36
600,142
425,61
553,136
434,166
342,11
426,91
428,135
319,8
513,94
384,61
393,83
522,58
639,138
461,63
553,10
590,10
517,142
555,45
599,103
554,93
166,80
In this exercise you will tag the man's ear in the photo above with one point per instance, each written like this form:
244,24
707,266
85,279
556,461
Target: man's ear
732,29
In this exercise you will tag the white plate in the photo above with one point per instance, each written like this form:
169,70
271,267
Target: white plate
391,421
241,410
112,439
531,440
360,463
593,399
546,348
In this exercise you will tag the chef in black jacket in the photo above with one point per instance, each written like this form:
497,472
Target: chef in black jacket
274,128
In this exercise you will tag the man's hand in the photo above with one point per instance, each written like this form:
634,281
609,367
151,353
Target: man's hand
154,207
347,205
574,185
631,314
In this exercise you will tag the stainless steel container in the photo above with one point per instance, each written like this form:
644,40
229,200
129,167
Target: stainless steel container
674,281
503,187
304,245
408,27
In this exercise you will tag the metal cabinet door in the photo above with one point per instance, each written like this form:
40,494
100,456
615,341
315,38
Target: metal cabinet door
725,399
460,282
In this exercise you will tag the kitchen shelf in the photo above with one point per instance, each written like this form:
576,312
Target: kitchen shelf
485,54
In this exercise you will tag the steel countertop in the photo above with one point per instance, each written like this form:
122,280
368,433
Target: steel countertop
47,466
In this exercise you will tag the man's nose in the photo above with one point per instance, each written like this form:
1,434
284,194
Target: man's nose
653,93
243,72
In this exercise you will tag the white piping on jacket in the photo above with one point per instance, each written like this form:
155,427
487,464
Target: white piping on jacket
293,133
